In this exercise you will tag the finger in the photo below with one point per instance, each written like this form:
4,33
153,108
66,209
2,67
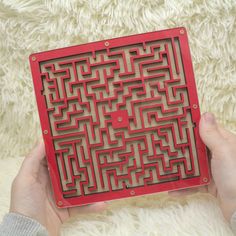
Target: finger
186,192
209,132
34,159
181,193
209,155
229,136
38,152
211,188
95,207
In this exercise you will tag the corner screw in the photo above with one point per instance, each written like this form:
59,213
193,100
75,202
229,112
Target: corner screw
59,203
107,43
45,131
195,106
33,58
205,180
181,31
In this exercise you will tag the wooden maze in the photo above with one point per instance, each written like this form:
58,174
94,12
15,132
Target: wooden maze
120,117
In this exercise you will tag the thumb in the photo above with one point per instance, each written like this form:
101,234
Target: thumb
34,159
209,132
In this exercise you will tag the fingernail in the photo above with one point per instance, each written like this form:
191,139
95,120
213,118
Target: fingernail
209,118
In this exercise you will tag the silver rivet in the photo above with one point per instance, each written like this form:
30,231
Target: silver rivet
195,106
132,192
181,31
205,180
33,58
45,131
107,43
59,203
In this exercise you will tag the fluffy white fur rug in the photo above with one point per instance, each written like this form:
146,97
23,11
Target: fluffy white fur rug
28,26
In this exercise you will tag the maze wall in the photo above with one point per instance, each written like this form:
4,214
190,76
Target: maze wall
120,117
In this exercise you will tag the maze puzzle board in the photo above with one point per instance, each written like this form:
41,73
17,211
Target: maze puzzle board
120,117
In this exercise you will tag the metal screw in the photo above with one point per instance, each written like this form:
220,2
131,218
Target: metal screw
59,203
107,43
119,119
205,180
33,58
181,31
195,106
132,192
45,131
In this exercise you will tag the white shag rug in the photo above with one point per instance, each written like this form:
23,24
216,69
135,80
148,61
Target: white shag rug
28,26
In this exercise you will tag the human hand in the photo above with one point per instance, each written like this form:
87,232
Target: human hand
32,194
222,145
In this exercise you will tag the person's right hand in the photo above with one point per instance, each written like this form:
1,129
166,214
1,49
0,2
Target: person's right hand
222,145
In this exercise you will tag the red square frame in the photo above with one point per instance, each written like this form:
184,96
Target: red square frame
37,58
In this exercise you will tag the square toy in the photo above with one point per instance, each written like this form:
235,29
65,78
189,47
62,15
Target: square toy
120,117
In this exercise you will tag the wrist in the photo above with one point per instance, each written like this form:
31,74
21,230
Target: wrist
18,224
52,227
27,212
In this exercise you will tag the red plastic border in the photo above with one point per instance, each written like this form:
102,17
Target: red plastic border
35,60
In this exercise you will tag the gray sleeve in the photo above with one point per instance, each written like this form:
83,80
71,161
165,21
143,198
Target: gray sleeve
233,222
15,224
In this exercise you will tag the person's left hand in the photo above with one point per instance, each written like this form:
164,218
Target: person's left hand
32,194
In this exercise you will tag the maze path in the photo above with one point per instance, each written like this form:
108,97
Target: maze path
120,117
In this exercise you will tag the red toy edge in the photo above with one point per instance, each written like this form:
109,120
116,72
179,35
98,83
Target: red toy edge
36,58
